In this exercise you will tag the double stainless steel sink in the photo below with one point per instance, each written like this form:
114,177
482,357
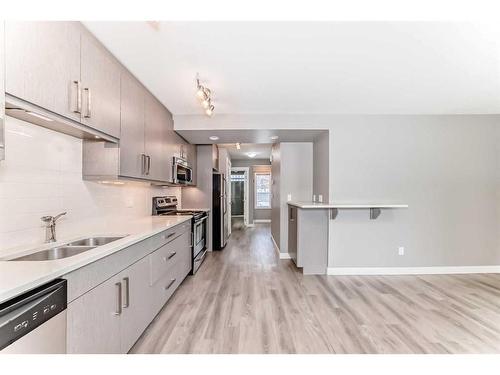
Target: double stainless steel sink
69,249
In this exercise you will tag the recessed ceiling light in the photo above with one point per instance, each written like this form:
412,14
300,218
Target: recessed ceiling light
213,138
251,154
274,137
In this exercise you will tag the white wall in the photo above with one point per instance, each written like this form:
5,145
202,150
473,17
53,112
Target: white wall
447,168
42,175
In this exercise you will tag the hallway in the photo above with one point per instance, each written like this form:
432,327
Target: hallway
245,300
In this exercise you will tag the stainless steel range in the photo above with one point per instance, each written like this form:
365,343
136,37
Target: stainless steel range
167,205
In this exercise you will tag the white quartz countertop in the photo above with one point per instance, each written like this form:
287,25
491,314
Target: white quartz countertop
344,205
17,277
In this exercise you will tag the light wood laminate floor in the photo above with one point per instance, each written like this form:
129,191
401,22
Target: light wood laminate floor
245,300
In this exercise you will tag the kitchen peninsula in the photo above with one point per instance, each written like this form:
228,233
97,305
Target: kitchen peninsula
309,230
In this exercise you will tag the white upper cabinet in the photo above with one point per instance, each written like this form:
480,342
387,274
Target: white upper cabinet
43,65
100,76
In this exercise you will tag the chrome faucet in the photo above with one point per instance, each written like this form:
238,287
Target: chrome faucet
50,226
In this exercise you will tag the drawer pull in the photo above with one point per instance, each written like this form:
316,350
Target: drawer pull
172,254
169,236
126,302
118,309
170,284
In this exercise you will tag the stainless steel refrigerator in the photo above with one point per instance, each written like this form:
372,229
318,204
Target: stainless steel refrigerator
220,215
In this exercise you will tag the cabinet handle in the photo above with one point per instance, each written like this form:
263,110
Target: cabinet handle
143,160
169,235
118,309
170,284
149,164
78,108
89,103
172,254
126,303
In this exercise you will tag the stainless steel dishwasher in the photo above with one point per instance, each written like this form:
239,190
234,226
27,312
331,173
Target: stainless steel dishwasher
35,322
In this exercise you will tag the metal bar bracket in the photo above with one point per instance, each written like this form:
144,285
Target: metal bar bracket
374,213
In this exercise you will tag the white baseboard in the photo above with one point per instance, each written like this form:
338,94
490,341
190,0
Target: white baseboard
411,270
260,221
277,248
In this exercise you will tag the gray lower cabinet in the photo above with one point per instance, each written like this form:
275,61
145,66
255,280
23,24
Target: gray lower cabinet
43,64
93,323
169,266
111,316
308,231
100,77
292,233
137,311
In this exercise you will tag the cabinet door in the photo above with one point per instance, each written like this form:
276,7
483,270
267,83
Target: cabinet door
137,302
43,64
192,155
100,75
292,233
156,130
172,146
94,320
132,127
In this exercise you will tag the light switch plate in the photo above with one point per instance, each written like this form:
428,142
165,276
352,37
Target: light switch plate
320,198
289,197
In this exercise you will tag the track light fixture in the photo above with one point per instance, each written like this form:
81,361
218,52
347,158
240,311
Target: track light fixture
204,95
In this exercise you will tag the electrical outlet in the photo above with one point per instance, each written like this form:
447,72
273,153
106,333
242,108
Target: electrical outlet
401,250
129,202
289,197
314,198
320,198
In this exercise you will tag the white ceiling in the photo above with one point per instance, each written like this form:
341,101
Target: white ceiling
263,151
314,67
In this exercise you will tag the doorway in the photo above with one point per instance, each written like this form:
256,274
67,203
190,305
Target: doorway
239,194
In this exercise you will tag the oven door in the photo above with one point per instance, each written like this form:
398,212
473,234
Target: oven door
199,236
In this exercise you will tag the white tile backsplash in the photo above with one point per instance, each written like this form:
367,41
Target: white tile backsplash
42,175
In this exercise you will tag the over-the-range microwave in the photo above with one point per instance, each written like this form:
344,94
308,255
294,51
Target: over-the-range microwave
182,172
